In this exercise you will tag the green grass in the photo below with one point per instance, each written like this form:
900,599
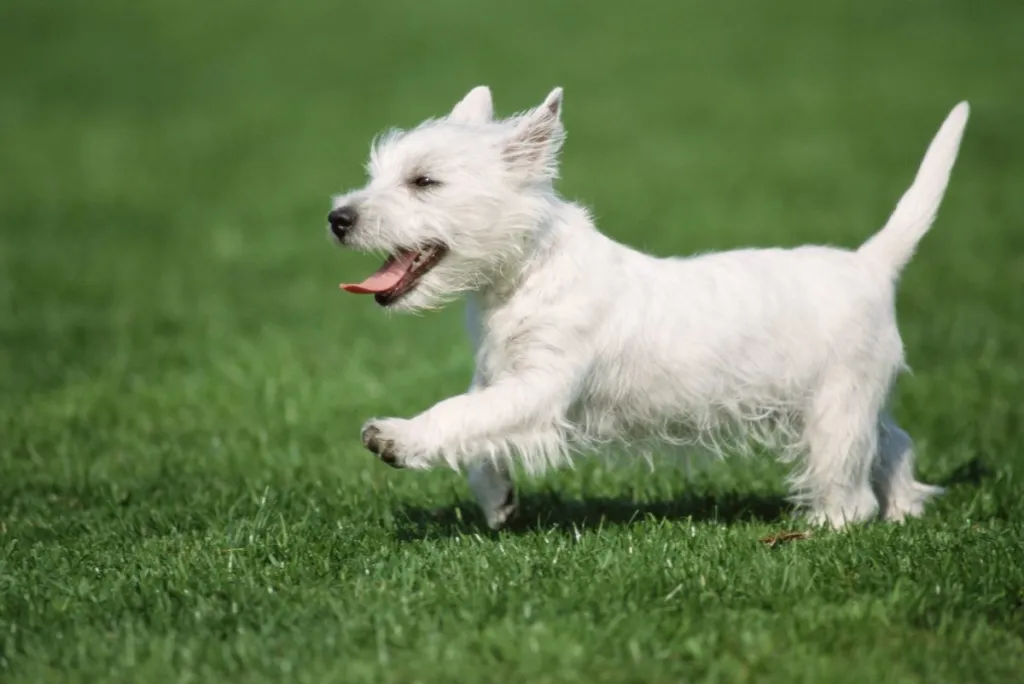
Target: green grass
183,497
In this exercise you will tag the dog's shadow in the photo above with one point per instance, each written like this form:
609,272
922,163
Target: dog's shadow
550,512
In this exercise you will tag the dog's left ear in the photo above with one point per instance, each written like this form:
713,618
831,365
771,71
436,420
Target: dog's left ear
475,107
537,139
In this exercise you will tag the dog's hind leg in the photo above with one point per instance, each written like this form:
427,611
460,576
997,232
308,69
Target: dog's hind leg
495,492
841,440
899,494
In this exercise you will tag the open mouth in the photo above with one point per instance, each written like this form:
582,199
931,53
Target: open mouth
399,274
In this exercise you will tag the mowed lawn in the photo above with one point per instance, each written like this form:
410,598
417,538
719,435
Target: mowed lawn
183,495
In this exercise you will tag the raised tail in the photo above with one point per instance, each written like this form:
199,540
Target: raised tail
893,246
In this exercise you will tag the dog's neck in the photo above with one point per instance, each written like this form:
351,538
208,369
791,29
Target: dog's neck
542,226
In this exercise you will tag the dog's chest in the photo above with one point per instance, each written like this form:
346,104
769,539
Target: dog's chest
500,351
505,340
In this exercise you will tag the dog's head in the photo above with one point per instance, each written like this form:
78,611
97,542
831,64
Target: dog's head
454,202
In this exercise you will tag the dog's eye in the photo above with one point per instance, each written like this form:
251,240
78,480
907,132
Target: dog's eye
425,182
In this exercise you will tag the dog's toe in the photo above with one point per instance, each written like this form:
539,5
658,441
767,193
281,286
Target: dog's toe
384,448
388,455
371,438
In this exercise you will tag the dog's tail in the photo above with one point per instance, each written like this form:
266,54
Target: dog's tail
893,246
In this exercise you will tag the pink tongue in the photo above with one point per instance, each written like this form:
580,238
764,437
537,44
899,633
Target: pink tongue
386,277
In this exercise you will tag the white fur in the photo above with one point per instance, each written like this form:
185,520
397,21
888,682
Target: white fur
581,341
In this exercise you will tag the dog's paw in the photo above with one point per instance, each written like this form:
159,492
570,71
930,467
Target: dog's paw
394,441
495,493
500,516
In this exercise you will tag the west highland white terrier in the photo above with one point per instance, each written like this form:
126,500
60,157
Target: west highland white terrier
580,341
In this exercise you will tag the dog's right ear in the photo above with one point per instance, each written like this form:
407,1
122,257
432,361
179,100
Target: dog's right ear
475,107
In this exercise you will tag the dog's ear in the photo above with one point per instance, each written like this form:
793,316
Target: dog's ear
475,107
537,138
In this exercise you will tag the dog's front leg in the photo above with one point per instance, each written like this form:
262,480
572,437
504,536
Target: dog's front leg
490,481
522,413
494,491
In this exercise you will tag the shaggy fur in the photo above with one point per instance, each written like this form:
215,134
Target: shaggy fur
581,341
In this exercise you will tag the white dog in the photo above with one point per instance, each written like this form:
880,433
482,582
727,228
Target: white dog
581,341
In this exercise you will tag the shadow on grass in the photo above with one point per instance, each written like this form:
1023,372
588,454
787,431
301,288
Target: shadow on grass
972,473
550,512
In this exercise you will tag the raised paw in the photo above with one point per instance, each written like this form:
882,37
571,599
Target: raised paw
384,448
393,440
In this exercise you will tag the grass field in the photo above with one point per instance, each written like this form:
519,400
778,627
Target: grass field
183,497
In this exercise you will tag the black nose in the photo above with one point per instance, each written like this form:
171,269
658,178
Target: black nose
341,220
